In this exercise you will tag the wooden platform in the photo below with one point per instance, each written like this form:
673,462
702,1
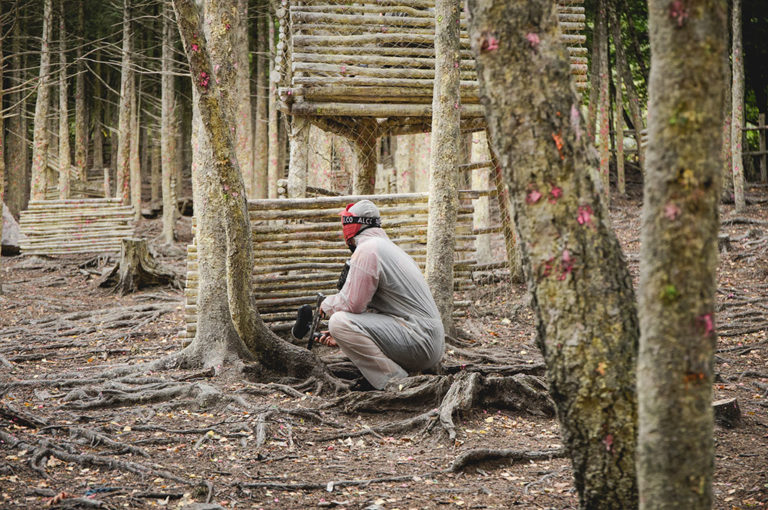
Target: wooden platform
299,249
376,58
59,227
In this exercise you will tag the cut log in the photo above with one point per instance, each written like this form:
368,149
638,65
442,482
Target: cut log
727,412
137,269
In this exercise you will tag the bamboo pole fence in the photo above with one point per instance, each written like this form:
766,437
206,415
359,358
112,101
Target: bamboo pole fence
85,225
377,58
299,249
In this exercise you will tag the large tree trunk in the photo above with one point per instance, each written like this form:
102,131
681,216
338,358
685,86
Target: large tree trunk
737,109
123,166
443,168
137,269
64,158
229,327
261,134
299,159
41,140
81,121
167,144
16,142
579,282
678,257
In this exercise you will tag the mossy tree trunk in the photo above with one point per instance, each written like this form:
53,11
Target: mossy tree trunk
229,327
678,257
443,167
579,282
41,139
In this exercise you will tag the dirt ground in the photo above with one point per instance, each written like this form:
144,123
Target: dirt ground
265,446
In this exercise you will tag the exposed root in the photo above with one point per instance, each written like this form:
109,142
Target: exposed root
487,455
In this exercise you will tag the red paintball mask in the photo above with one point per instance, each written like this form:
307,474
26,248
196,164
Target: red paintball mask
352,225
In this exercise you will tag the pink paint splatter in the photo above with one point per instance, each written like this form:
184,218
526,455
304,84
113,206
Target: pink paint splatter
576,121
671,211
554,194
585,215
533,40
195,47
608,442
489,43
678,12
533,197
204,79
708,323
566,265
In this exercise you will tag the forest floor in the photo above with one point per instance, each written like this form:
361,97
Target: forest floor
268,447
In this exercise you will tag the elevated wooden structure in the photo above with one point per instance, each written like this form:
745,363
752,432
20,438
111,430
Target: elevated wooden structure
299,250
60,227
376,58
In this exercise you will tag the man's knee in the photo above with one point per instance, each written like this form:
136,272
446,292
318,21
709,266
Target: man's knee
338,324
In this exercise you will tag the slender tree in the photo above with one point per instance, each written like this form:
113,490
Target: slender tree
443,168
96,119
65,161
81,120
678,256
2,149
17,127
167,144
134,161
41,140
737,109
604,100
272,126
123,165
261,131
581,288
238,29
299,158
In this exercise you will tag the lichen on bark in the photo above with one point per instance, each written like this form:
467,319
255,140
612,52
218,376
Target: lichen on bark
581,289
678,256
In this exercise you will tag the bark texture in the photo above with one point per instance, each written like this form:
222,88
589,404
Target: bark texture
229,327
134,160
16,140
64,158
299,159
41,140
577,276
604,100
81,120
678,257
2,151
167,144
737,110
273,146
261,140
123,165
443,168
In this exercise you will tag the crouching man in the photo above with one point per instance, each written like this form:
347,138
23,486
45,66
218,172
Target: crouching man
384,318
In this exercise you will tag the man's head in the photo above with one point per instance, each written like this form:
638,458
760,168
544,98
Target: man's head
358,217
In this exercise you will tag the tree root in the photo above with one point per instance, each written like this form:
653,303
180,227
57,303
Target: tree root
333,484
44,450
487,455
204,395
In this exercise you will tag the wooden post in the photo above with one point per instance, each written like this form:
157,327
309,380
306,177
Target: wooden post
761,136
106,183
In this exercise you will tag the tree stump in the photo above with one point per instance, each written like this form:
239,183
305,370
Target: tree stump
137,269
727,412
